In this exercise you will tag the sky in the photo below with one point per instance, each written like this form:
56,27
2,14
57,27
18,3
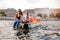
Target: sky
29,4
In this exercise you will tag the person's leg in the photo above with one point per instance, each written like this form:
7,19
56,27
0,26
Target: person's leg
14,24
17,24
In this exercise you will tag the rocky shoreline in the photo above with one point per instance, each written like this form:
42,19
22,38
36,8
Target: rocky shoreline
47,30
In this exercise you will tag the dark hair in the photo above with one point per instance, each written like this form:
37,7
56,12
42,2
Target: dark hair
20,11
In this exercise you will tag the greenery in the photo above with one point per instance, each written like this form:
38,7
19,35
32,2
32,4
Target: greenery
57,15
3,14
40,15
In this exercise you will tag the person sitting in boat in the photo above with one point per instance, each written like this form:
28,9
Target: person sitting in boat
18,19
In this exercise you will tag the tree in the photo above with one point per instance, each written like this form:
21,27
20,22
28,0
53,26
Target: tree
58,15
40,15
3,13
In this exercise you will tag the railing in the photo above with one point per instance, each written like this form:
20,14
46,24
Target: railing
7,18
44,19
51,19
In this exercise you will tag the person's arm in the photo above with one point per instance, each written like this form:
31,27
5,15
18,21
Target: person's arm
15,16
27,15
21,17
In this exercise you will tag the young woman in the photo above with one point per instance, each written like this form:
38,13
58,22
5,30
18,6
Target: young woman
18,19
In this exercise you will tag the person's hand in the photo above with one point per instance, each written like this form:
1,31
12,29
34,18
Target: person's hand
22,25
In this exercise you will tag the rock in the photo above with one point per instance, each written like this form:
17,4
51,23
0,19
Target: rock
39,32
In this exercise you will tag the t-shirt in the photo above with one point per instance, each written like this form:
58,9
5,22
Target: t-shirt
24,16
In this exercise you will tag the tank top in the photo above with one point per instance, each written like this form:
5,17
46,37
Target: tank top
18,17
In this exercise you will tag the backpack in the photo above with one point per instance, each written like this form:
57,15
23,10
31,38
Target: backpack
26,27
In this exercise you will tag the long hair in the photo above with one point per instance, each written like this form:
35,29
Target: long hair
20,11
